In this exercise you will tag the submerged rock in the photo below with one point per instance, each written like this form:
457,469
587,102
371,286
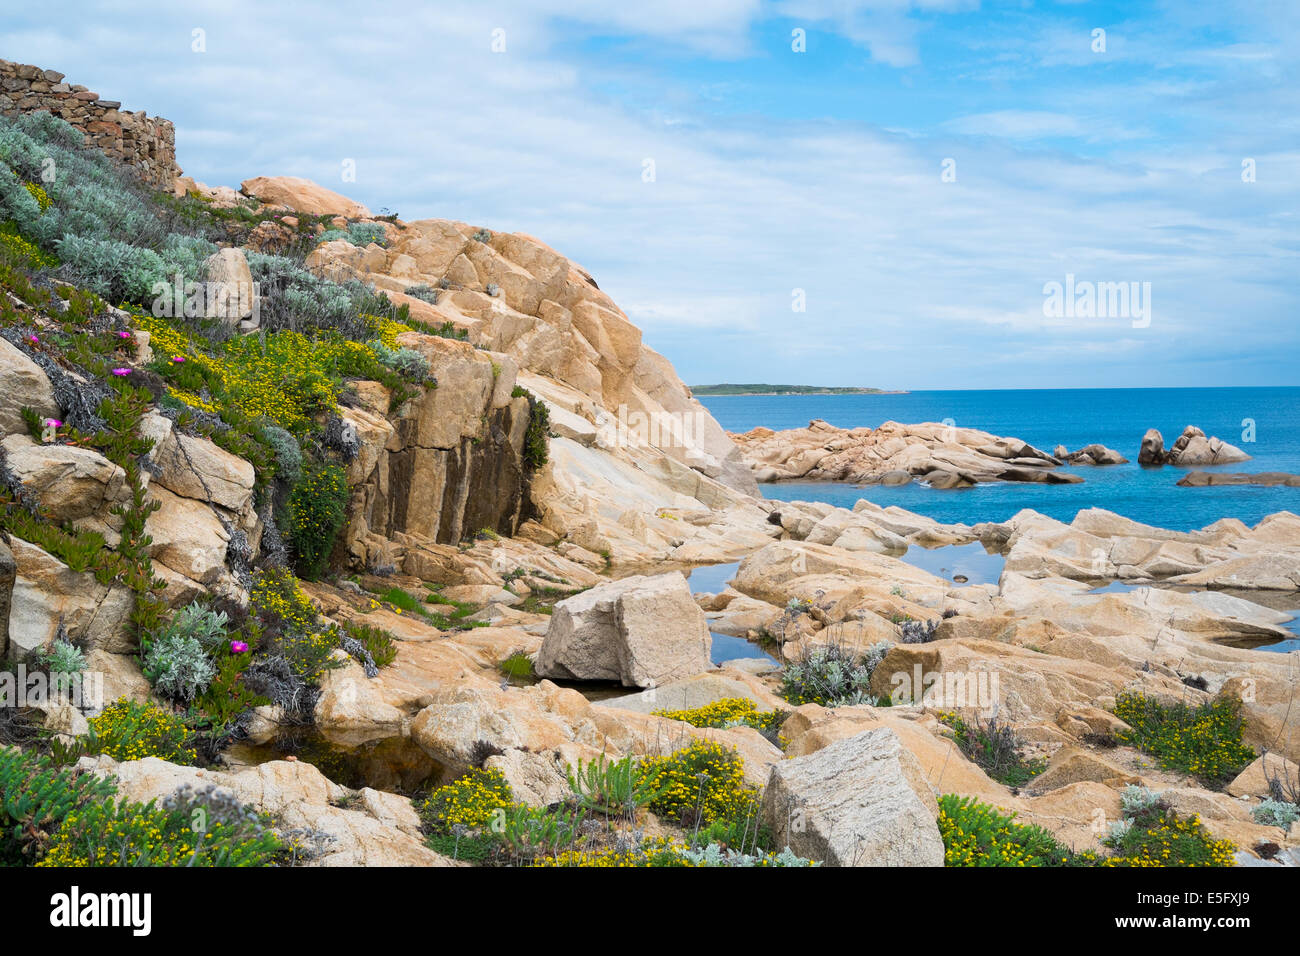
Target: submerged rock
1271,479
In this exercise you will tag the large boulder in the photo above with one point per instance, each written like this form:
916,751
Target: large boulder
22,383
1093,454
70,483
1152,451
48,596
231,294
302,195
1192,449
643,631
199,469
860,801
187,537
1200,450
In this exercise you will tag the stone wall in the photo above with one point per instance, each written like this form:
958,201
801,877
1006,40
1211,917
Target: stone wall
145,143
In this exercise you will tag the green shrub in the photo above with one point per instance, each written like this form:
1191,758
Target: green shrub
186,830
380,644
295,298
364,233
700,783
403,600
976,834
518,666
406,362
833,675
1156,836
227,696
288,455
177,660
424,293
204,625
35,798
995,748
614,787
1276,813
470,803
728,712
294,629
538,434
1134,799
526,833
315,513
127,730
114,269
64,658
1203,740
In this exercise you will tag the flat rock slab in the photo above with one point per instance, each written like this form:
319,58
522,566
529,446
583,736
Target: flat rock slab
1202,479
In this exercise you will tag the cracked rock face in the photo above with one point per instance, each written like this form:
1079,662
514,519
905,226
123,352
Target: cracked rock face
47,594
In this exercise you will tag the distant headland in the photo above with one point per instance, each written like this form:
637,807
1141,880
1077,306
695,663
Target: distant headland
729,389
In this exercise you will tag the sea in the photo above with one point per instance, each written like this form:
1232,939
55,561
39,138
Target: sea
1263,422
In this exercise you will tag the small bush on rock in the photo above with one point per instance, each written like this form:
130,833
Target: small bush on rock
728,712
187,830
1156,836
1203,740
469,803
1276,813
976,834
64,658
995,747
127,730
35,798
833,676
700,783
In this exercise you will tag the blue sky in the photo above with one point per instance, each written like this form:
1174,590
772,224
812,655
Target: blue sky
777,171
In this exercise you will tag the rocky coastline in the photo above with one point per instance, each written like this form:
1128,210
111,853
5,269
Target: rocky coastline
518,489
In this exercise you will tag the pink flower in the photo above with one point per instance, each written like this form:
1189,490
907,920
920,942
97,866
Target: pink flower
53,423
123,335
238,647
121,371
178,359
33,339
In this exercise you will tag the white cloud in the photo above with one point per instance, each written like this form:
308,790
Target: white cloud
943,279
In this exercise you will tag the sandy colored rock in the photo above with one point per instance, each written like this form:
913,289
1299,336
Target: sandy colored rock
22,383
642,631
302,195
861,801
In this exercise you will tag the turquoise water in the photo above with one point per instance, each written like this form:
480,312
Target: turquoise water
1116,418
711,579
